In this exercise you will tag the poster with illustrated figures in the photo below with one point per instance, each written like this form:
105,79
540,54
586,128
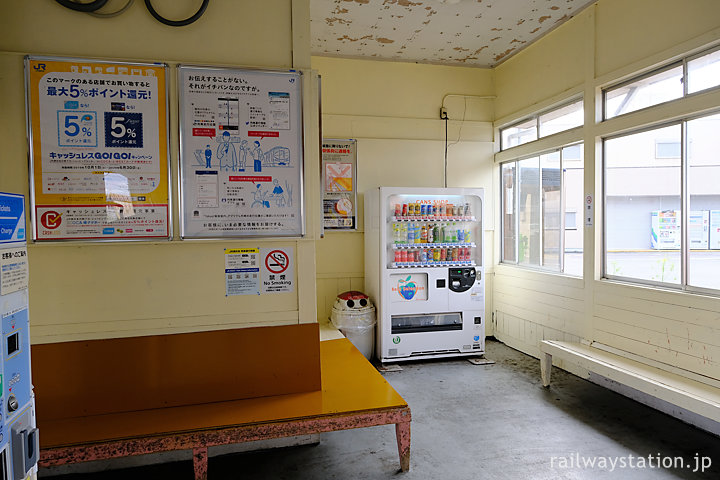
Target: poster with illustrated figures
241,153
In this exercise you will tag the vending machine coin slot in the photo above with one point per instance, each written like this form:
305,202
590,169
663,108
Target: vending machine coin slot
461,279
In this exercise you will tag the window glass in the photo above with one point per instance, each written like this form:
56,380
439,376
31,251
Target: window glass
551,210
704,189
520,133
561,119
529,211
651,90
508,214
704,72
642,208
573,182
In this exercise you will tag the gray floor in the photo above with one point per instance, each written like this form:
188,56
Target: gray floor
484,422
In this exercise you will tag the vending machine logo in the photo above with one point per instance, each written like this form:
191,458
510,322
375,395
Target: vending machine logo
407,288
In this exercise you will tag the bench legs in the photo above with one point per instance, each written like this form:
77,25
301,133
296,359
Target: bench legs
200,462
545,368
402,432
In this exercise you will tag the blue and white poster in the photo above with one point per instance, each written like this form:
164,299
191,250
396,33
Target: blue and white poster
241,153
12,218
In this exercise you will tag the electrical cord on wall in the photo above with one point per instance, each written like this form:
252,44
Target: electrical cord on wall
446,150
177,23
95,5
83,7
115,13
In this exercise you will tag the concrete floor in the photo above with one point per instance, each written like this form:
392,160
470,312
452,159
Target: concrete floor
482,422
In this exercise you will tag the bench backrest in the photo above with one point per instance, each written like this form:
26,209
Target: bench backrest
81,378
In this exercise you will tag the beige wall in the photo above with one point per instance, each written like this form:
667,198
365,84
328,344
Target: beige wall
607,42
393,110
84,290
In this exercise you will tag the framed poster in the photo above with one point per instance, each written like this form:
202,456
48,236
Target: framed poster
339,167
99,159
241,153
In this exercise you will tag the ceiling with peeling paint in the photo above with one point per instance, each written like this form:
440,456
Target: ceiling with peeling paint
478,33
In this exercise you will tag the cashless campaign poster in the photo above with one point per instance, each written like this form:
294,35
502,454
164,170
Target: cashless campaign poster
99,149
241,152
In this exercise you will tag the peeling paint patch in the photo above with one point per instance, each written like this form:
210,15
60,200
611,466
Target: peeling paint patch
339,11
504,54
534,30
361,2
543,18
494,29
334,20
496,38
515,40
554,7
461,49
562,19
480,49
520,22
384,40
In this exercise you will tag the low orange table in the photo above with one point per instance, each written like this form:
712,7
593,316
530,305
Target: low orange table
353,395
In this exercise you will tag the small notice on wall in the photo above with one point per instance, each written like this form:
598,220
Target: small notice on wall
13,270
242,271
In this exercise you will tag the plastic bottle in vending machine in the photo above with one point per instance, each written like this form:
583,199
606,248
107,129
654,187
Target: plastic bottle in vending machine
467,210
430,234
467,235
437,233
453,229
423,234
461,234
411,233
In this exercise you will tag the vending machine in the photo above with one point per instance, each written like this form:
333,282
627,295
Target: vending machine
423,269
19,445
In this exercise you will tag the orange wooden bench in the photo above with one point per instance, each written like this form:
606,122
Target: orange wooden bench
352,395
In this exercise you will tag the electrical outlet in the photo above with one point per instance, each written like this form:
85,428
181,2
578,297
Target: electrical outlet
443,113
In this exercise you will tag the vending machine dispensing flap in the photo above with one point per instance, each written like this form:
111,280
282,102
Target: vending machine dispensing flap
461,279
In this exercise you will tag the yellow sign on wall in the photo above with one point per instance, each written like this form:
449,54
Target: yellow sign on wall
98,149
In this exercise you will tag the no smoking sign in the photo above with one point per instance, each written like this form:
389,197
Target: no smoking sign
277,275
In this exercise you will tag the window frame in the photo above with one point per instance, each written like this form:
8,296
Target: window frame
665,67
516,192
535,118
682,286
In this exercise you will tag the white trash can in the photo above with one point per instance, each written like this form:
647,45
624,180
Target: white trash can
354,315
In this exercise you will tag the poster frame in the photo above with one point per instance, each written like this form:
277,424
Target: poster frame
31,146
184,235
354,193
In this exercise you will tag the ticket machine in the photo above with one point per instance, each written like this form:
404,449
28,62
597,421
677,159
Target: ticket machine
19,444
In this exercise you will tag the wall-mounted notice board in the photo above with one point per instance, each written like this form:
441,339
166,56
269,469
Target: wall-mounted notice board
99,157
241,153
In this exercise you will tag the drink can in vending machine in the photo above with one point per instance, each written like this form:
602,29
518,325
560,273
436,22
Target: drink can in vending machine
455,254
423,255
398,209
403,256
404,209
436,254
434,210
423,210
442,254
398,256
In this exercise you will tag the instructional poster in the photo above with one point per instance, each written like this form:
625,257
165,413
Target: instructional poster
242,271
99,149
339,164
241,153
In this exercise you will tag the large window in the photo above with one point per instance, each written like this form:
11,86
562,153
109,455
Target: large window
668,83
538,195
662,205
543,124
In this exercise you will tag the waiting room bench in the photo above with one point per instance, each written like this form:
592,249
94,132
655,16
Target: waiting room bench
691,395
353,395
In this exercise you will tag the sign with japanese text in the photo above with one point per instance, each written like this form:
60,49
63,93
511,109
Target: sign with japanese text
241,153
13,269
12,218
242,271
339,164
278,270
98,149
